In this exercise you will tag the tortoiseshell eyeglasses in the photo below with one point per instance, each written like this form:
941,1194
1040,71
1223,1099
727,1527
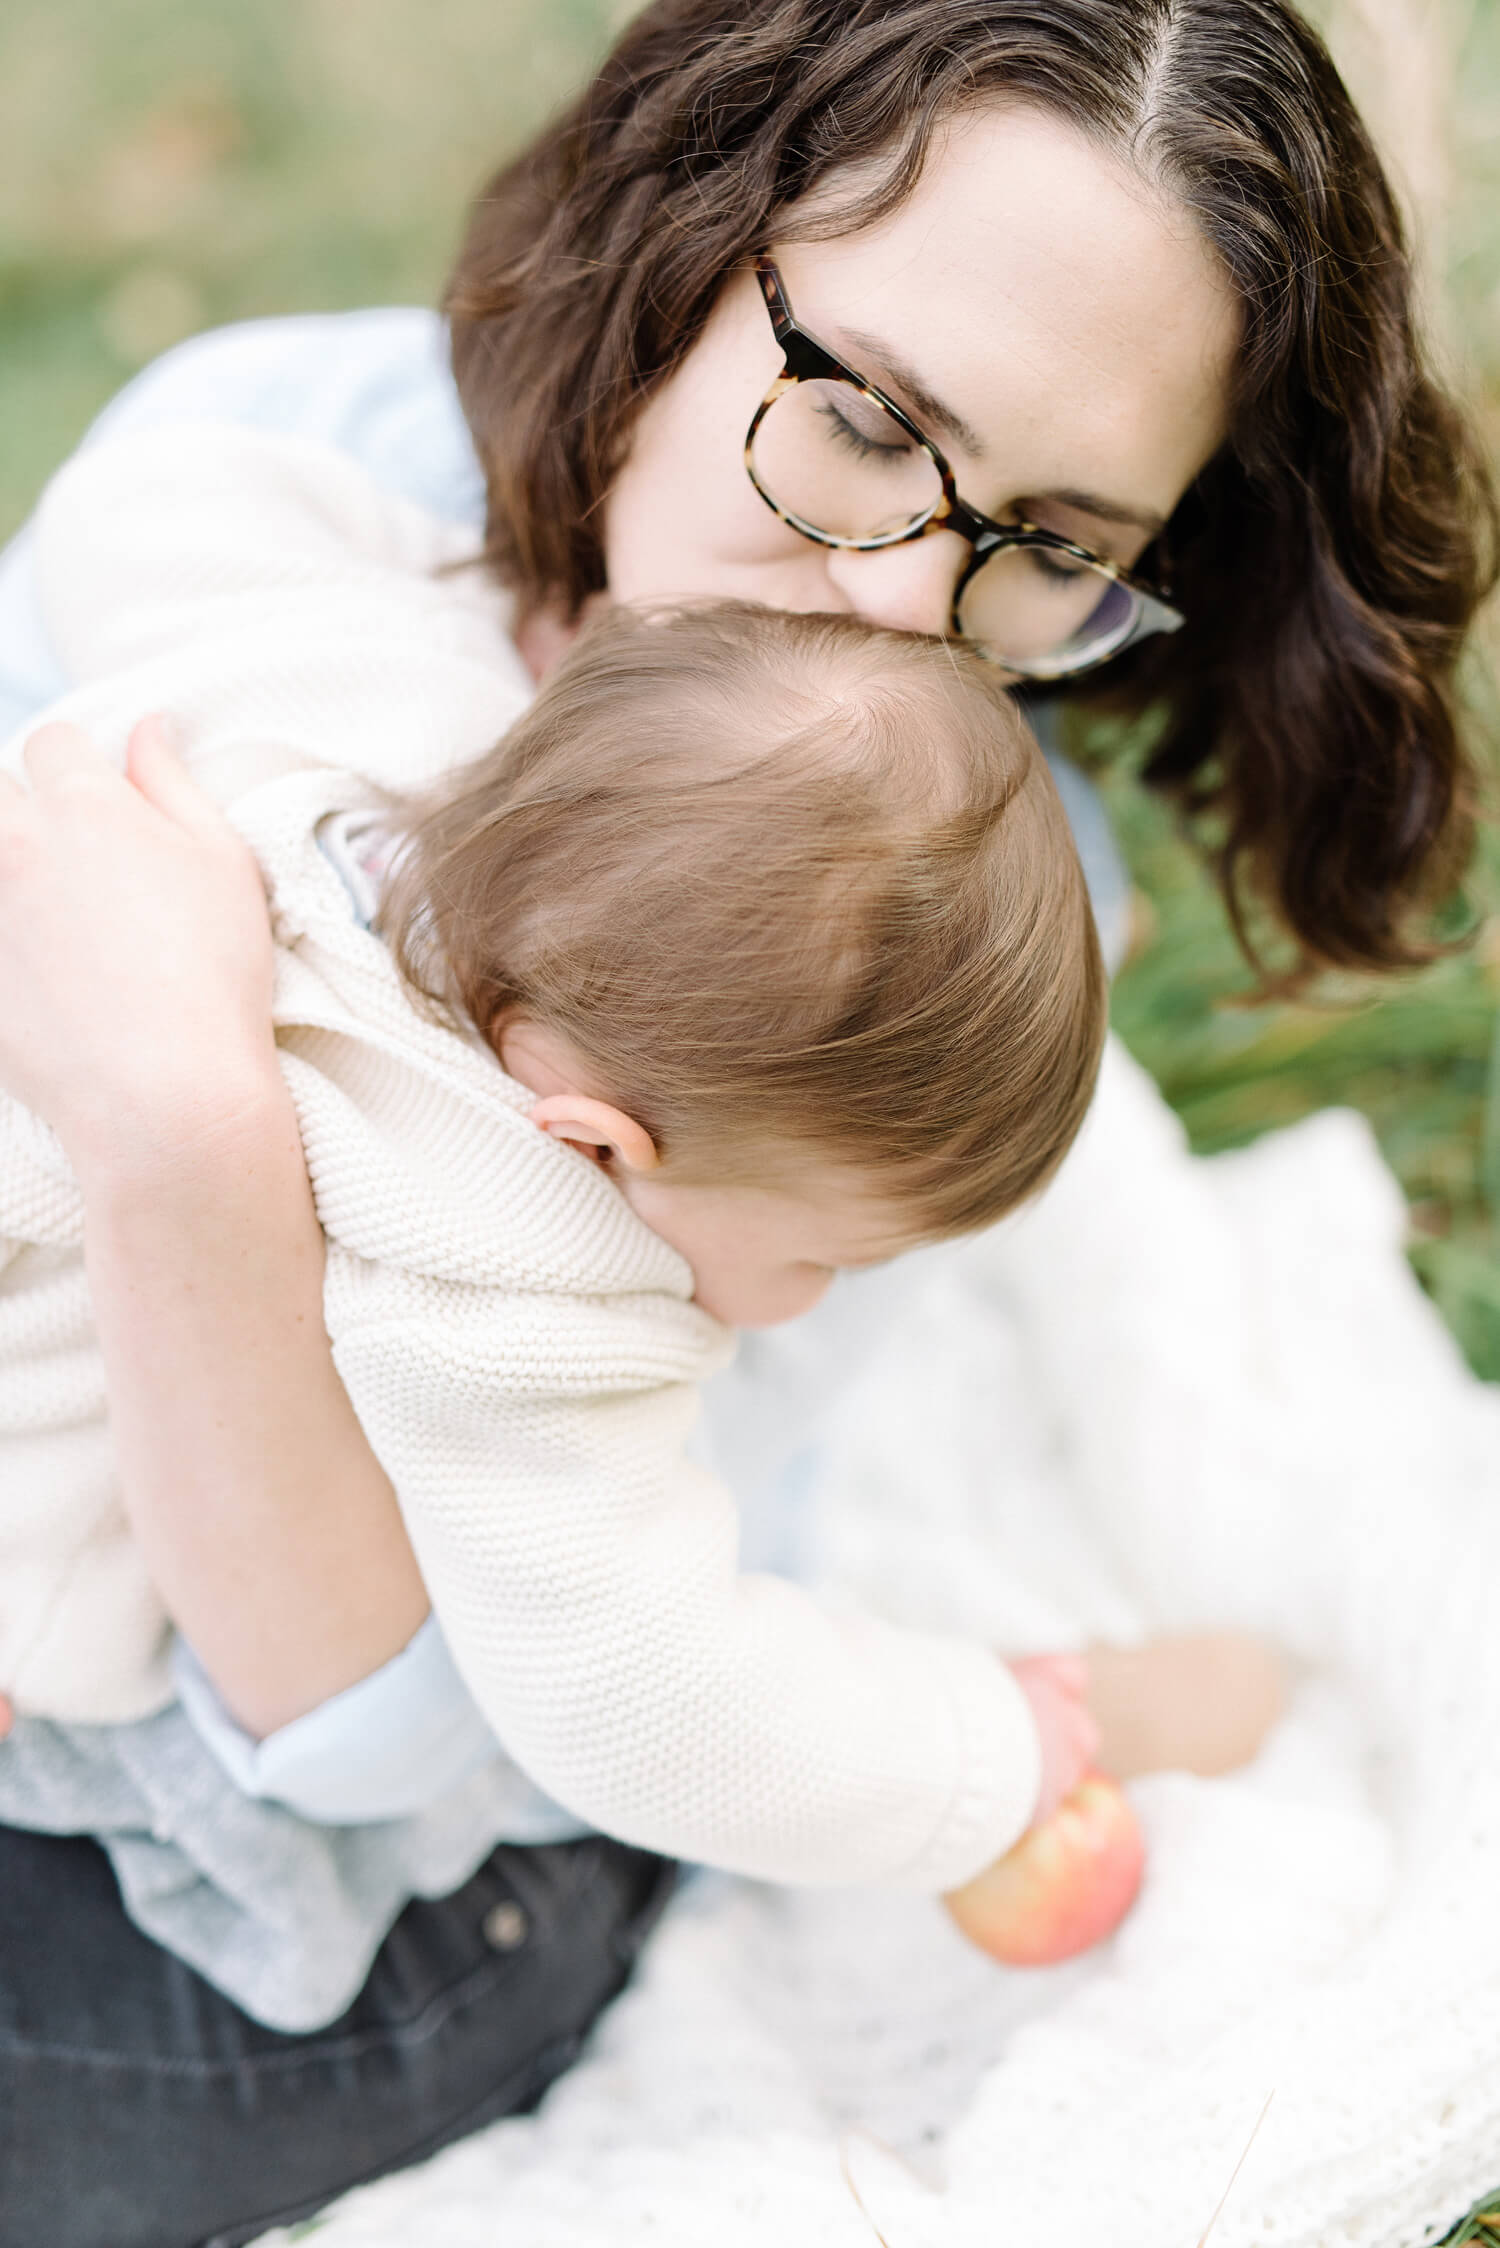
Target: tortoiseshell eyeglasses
842,463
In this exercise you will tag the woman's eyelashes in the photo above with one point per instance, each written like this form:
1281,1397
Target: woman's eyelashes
1061,569
845,430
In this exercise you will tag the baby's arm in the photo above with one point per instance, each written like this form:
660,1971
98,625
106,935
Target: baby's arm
586,1577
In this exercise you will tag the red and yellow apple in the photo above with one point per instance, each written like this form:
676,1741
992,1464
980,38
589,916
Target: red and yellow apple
1067,1884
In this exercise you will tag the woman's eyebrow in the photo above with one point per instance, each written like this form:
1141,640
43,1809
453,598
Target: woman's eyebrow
1109,511
931,411
925,405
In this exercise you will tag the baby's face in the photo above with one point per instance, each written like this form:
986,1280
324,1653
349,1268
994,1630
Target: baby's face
761,1255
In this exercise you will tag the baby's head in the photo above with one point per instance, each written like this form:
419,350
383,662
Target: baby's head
780,918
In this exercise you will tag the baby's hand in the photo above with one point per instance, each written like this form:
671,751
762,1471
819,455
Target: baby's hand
1197,1705
1202,1704
1066,1885
1057,1687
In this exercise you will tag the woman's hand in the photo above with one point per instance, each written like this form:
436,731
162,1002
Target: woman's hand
1202,1703
135,951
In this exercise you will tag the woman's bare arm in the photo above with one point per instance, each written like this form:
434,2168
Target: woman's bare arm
136,962
267,1524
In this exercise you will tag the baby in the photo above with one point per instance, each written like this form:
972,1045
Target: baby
758,950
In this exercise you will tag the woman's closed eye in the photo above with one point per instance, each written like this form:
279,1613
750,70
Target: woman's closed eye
1060,569
872,436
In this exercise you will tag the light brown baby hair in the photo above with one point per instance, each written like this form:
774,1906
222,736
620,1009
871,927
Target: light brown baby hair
801,890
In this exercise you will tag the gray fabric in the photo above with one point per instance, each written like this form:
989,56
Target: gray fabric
283,1917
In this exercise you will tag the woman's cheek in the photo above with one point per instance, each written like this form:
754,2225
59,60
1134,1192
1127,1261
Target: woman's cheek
682,520
668,536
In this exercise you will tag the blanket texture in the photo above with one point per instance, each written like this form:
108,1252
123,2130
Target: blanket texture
1175,1394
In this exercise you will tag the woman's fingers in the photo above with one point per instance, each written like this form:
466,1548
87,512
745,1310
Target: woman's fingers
60,750
1200,1703
154,765
136,966
57,750
158,730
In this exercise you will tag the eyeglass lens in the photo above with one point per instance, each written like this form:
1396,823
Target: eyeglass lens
1044,613
829,454
834,460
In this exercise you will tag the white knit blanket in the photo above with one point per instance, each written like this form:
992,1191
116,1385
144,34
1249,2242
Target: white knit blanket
1178,1393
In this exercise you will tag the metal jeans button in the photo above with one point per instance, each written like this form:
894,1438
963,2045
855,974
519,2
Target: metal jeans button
504,1927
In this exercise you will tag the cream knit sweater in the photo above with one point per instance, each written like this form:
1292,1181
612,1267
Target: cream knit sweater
521,1351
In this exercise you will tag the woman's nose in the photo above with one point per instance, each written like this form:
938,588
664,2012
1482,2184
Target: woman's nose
908,588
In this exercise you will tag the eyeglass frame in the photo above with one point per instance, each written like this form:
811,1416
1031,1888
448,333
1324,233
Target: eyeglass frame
804,359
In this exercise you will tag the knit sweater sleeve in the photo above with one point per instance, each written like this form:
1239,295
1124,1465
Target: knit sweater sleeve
283,608
587,1578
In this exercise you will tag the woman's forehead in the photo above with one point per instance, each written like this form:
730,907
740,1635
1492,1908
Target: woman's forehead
1061,312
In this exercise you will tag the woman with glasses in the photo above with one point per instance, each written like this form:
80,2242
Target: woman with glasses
1079,328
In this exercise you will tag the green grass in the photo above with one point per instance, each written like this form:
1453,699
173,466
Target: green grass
1418,1055
167,164
1480,2229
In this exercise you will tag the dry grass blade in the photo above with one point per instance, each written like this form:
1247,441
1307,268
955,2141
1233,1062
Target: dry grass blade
1239,2166
848,2177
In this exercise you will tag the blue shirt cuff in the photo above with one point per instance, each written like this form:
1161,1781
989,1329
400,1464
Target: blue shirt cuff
385,1748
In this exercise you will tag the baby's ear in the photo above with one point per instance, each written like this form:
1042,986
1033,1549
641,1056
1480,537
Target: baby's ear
604,1134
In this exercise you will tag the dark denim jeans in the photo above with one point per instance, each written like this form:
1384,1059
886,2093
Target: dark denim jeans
141,2109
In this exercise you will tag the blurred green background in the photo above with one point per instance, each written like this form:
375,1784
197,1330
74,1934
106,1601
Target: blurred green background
168,164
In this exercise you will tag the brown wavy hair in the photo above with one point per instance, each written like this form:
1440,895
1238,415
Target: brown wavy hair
1333,553
792,886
